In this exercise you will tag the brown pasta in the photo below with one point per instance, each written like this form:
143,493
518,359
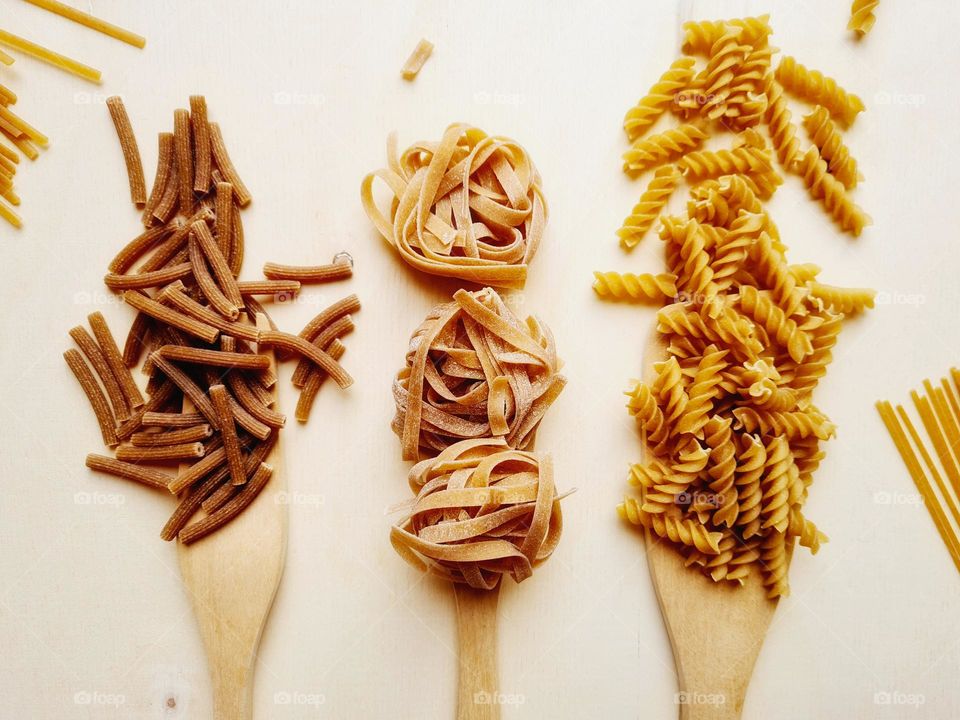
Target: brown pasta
136,248
188,324
131,153
165,162
225,165
228,432
96,358
171,419
189,388
174,295
201,143
143,280
208,286
224,214
337,329
268,287
473,369
111,353
98,400
184,153
314,381
293,343
230,510
159,453
191,434
309,274
218,263
128,471
216,358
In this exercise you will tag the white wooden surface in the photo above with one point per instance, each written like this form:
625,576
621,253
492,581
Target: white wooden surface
93,620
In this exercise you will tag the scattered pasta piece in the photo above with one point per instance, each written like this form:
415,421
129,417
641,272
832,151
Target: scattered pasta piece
468,207
48,56
824,134
862,17
646,212
815,87
635,288
128,145
339,270
91,22
417,59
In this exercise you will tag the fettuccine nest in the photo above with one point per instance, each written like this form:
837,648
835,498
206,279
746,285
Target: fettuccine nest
475,370
469,206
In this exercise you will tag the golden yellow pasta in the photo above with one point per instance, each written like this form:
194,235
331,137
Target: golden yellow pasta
411,68
824,134
48,56
91,22
635,288
468,207
862,18
660,97
646,212
815,87
664,147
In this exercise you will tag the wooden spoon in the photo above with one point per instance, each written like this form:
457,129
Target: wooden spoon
477,684
232,576
716,630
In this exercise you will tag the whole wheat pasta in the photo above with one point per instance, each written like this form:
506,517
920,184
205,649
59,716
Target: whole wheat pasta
198,470
201,143
165,393
173,295
468,207
94,23
337,329
224,215
482,511
217,261
128,145
98,400
183,151
142,280
136,248
165,161
98,361
236,240
136,339
215,358
314,381
191,434
114,359
188,324
48,56
225,165
248,422
171,419
166,206
309,274
268,287
417,59
186,384
293,343
252,404
161,453
208,286
474,369
228,432
252,462
128,471
187,507
230,510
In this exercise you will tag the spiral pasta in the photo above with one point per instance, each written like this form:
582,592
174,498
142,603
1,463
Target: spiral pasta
830,192
649,108
663,147
783,132
824,134
706,164
815,87
645,213
862,17
843,300
468,207
699,37
635,288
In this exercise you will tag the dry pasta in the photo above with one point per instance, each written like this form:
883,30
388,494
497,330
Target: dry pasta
48,56
91,22
862,18
468,207
646,212
824,134
411,68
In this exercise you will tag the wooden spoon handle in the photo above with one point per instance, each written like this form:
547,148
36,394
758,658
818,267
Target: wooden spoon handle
478,684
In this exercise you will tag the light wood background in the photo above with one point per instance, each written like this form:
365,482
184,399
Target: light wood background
94,622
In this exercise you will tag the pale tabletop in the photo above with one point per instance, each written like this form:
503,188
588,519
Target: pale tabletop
94,622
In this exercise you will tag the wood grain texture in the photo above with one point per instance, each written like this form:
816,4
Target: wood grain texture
232,577
478,684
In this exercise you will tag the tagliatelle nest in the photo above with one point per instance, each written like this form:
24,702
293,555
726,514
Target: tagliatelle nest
475,370
482,510
469,206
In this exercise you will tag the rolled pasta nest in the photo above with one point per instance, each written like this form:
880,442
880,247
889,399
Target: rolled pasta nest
474,370
468,207
482,510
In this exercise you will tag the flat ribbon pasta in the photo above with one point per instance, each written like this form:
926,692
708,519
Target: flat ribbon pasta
474,370
468,207
482,510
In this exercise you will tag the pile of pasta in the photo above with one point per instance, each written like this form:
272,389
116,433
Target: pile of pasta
209,403
13,128
468,207
475,387
731,431
726,81
939,411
